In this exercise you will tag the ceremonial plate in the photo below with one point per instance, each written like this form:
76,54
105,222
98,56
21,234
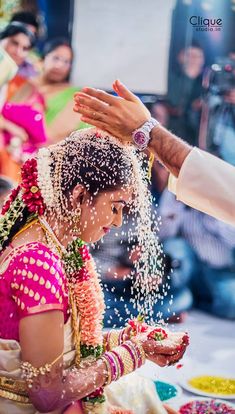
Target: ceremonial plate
184,381
167,391
177,405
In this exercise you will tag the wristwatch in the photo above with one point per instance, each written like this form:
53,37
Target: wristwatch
141,136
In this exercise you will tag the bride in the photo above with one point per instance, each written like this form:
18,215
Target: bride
54,356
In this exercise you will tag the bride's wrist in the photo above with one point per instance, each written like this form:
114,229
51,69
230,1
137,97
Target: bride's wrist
116,337
123,360
143,342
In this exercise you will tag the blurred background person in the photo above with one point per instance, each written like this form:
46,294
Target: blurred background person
159,111
53,83
30,66
8,68
21,124
217,132
185,93
208,247
27,18
17,40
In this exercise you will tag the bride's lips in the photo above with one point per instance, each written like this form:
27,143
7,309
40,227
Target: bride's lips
106,229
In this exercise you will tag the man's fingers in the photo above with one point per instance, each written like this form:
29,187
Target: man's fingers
91,103
123,91
115,88
100,95
98,124
91,113
118,87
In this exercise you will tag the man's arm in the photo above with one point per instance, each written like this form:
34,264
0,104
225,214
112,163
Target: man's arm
122,114
169,149
203,181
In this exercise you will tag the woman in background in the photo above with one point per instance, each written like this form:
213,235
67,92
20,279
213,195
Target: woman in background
21,105
53,84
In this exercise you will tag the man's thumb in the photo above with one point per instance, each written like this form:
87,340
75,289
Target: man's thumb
123,91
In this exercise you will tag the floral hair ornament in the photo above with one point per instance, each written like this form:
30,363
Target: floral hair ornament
32,195
27,194
14,193
11,210
44,161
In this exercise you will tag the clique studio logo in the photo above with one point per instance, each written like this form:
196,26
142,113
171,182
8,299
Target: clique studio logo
202,24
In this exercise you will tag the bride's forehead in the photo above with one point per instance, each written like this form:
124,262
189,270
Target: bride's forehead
119,195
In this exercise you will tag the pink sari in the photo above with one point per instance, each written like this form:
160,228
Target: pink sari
24,107
32,281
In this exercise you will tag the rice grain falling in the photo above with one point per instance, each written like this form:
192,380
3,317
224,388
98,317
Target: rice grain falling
73,153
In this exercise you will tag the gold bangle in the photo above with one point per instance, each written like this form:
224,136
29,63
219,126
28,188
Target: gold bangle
126,359
141,349
109,373
117,365
139,346
113,339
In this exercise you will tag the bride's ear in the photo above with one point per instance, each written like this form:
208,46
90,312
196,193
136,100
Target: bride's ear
78,194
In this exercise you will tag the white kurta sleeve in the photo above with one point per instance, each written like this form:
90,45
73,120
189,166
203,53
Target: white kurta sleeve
207,184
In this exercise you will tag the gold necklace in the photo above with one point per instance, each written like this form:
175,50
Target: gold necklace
52,239
25,228
72,297
51,236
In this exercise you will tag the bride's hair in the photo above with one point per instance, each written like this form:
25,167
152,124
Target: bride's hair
97,163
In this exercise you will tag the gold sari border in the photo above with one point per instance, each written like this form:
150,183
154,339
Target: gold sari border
14,390
44,308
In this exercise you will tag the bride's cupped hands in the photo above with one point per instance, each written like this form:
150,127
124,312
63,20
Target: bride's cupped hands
167,351
160,345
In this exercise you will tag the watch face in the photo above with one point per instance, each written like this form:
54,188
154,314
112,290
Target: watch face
140,138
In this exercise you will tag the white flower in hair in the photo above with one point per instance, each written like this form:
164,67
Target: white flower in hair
44,161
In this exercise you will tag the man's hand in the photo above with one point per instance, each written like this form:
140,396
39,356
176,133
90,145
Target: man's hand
119,115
